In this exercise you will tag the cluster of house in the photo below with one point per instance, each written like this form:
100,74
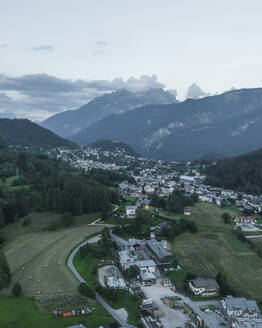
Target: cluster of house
241,312
163,185
142,202
147,255
192,184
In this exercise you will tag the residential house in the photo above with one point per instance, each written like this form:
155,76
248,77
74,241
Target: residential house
245,220
187,211
159,253
240,307
206,198
149,189
204,287
131,212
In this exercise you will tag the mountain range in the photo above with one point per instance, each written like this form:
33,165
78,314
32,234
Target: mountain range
225,125
21,132
69,122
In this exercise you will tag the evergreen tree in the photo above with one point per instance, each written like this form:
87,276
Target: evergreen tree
16,290
86,291
67,219
2,218
5,273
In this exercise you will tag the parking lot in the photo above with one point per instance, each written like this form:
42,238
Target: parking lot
176,318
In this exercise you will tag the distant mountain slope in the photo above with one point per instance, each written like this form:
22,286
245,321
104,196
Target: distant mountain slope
2,143
69,122
26,133
111,145
243,173
228,124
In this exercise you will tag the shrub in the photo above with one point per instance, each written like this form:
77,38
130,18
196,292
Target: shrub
16,290
86,291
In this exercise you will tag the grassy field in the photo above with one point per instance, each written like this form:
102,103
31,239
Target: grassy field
8,183
41,222
215,248
21,312
130,199
37,258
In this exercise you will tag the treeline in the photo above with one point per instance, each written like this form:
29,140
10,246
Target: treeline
140,227
175,203
109,178
44,184
25,133
243,173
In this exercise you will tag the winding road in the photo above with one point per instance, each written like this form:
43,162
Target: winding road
82,280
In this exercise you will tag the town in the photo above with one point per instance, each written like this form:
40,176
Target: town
143,265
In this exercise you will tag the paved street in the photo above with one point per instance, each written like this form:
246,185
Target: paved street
98,297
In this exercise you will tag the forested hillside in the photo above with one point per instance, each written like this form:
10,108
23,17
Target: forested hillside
28,134
243,173
31,182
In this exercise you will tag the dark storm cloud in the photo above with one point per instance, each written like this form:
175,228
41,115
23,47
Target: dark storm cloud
46,94
44,48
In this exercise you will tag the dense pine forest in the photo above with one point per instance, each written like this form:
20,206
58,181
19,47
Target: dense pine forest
242,173
33,182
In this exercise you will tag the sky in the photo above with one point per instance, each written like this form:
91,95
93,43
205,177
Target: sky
59,54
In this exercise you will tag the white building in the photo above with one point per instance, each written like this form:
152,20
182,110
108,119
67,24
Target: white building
131,212
204,287
240,307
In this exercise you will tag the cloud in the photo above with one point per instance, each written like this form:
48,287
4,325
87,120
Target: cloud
195,92
44,48
101,43
98,53
3,45
37,96
173,92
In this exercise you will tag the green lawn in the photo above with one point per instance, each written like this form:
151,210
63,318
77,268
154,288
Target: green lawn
21,312
215,248
129,198
8,182
234,209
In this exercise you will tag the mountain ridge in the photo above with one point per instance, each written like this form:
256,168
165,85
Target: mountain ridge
70,122
227,124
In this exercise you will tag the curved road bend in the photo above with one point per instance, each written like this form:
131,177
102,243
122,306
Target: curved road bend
98,297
